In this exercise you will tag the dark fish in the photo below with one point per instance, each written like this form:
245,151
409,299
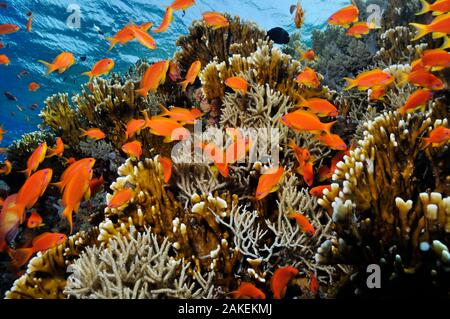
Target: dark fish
10,96
29,14
33,107
279,35
3,5
22,73
83,58
2,45
292,8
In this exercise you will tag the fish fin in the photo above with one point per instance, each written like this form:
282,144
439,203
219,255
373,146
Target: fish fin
168,139
438,35
142,92
50,67
20,256
422,30
427,142
67,213
26,171
328,127
89,74
87,195
437,68
425,8
184,85
113,42
351,83
446,44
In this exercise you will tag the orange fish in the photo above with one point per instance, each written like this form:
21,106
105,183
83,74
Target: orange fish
326,173
4,59
306,169
321,107
84,164
58,150
345,16
248,290
299,15
280,279
42,242
301,154
2,132
2,45
174,72
438,136
143,37
238,84
69,161
215,20
33,86
359,29
168,18
36,158
8,28
33,188
418,99
170,129
192,74
166,168
438,7
436,60
6,168
30,21
426,80
133,149
126,35
308,78
377,93
76,189
61,63
309,55
133,127
94,133
313,284
182,4
305,121
268,182
120,198
370,79
216,155
239,148
304,223
100,68
10,220
440,27
318,191
333,141
153,77
181,114
34,221
95,185
417,65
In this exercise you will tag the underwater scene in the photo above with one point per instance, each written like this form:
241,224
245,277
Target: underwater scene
234,149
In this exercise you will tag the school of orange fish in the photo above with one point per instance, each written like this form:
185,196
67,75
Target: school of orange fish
78,184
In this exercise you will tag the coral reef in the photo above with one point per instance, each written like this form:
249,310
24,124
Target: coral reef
389,205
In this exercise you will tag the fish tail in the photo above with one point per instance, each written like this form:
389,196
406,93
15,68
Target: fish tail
113,42
425,7
422,30
26,171
20,256
164,110
67,213
142,91
351,83
89,74
328,127
402,110
50,67
446,44
438,35
184,85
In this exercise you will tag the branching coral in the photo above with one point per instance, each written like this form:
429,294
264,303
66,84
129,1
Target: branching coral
382,206
139,266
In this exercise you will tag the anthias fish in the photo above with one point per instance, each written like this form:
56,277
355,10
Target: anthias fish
248,290
120,198
439,27
192,74
167,167
238,84
61,63
419,99
100,68
268,182
168,17
345,17
438,7
280,279
215,20
153,77
133,149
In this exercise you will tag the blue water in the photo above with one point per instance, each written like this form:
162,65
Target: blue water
51,35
